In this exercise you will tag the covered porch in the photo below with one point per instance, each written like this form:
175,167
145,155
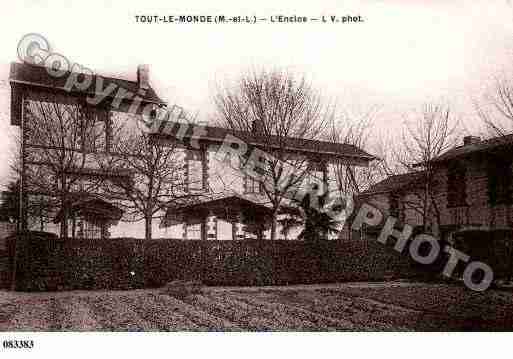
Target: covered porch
201,218
90,218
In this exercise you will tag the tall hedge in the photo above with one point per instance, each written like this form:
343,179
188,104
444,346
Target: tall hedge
126,263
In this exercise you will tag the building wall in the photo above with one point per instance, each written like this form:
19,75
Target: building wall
479,211
225,178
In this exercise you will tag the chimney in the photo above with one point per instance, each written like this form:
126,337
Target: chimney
257,128
143,76
471,140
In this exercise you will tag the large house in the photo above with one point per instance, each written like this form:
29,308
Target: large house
471,188
224,203
234,205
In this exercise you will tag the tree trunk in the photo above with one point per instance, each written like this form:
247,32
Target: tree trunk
64,206
274,226
148,227
426,206
260,233
64,219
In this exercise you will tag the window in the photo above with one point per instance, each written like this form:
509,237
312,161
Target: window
499,182
456,186
92,230
84,184
96,137
195,170
86,229
193,231
252,185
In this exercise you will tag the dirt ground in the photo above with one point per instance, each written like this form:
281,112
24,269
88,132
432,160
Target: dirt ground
341,307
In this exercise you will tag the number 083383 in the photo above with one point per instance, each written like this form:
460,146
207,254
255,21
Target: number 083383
18,344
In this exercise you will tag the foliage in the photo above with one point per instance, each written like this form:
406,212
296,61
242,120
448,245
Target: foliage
316,224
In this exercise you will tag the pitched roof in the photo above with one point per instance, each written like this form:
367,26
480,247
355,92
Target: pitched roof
214,197
39,76
188,207
218,134
482,146
394,183
93,208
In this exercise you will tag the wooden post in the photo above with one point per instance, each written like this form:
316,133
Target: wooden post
211,225
234,229
22,220
73,227
260,233
241,219
22,215
203,228
324,168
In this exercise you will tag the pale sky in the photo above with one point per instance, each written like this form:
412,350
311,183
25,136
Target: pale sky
404,54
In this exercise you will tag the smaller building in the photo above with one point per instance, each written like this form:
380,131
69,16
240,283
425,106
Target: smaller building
470,187
91,218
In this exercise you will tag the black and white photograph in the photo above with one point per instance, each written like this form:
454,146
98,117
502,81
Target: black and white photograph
236,168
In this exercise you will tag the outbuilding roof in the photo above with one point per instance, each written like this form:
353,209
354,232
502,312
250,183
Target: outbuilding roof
395,183
478,147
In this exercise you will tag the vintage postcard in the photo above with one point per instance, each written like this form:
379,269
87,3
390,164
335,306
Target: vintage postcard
228,167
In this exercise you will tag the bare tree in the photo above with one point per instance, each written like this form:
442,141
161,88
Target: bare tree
358,131
275,108
39,204
428,133
496,108
56,145
156,171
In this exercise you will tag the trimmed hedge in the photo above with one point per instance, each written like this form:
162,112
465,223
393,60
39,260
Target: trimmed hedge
127,263
493,247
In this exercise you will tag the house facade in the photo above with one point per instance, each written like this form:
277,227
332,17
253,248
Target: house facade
471,188
65,123
219,201
231,203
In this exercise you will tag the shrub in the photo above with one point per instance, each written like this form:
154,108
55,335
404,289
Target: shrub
181,289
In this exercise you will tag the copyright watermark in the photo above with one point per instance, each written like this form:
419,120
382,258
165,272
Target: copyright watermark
35,49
